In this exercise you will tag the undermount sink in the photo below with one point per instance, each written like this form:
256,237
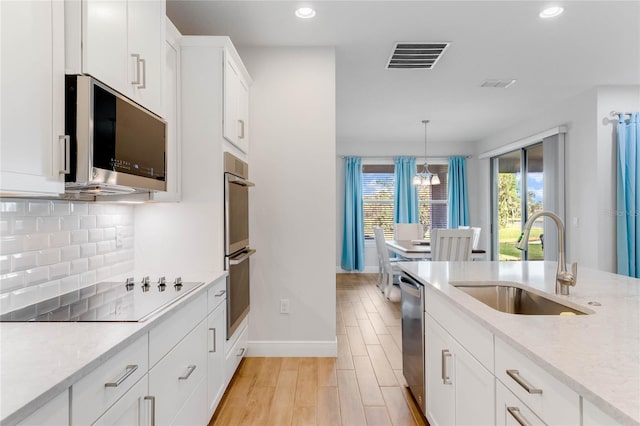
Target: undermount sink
516,300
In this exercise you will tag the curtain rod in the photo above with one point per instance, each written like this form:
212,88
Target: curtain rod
392,156
620,113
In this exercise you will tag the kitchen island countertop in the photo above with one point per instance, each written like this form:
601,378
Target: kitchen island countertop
596,355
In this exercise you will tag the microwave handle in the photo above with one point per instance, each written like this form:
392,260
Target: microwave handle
238,260
235,179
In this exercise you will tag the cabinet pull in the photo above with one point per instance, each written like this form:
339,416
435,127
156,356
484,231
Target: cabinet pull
214,339
445,376
143,62
153,408
241,129
240,352
515,413
127,372
66,156
515,375
191,369
220,293
136,56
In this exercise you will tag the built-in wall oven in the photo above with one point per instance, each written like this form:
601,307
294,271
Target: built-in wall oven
236,240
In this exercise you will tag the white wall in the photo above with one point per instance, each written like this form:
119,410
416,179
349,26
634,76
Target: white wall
293,205
589,172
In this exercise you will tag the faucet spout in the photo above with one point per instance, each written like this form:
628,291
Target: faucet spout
564,278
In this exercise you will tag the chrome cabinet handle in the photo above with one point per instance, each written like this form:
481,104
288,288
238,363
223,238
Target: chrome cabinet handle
515,375
127,372
144,74
244,256
136,56
240,352
515,413
153,408
191,369
214,339
220,293
445,376
65,166
241,136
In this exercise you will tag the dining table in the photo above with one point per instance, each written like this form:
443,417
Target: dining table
421,250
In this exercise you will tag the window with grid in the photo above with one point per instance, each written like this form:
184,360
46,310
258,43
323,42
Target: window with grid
433,200
378,186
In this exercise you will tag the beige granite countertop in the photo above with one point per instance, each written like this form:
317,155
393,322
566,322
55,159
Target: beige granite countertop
38,360
596,355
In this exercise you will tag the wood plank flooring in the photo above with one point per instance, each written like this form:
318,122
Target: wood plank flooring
363,386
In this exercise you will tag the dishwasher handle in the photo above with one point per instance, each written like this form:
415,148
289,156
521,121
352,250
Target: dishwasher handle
409,286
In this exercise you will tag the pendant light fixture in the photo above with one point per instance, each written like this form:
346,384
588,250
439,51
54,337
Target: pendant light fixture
425,178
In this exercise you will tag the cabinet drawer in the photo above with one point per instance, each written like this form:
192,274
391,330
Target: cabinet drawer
193,412
132,409
217,294
54,413
175,377
471,335
167,334
235,354
95,393
550,399
511,411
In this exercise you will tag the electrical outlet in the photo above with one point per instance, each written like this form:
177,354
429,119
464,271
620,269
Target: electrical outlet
284,306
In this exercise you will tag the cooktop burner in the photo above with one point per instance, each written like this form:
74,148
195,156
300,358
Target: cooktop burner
107,301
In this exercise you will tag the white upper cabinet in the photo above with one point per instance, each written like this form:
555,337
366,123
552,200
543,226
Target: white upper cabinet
236,104
32,143
120,43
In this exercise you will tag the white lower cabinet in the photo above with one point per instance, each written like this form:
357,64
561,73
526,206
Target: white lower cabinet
235,353
510,411
191,413
53,413
459,388
216,383
133,409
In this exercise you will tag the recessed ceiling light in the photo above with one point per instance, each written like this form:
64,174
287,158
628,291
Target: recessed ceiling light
305,12
551,12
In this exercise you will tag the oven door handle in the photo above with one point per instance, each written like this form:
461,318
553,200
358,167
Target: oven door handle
241,258
238,180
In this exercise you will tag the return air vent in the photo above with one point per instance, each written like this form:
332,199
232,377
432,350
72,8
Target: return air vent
416,55
498,84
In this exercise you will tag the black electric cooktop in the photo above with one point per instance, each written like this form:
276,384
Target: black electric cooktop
106,301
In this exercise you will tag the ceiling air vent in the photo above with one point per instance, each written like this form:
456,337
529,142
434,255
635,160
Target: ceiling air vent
410,55
499,84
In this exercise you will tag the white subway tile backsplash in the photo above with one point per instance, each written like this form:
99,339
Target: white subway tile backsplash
60,239
79,266
69,223
111,258
5,225
36,242
87,222
96,262
79,209
39,208
103,247
48,257
96,209
5,303
88,250
10,245
96,235
11,281
25,225
22,261
103,273
49,290
59,270
5,264
109,234
61,208
36,275
104,221
23,297
80,236
69,253
13,207
70,283
87,278
49,224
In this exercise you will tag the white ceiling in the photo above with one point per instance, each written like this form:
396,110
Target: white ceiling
593,43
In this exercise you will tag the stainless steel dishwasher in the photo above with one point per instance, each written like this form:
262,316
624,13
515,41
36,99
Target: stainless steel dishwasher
412,305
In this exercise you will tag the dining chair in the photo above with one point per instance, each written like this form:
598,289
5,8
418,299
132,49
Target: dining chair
408,231
476,234
451,244
387,266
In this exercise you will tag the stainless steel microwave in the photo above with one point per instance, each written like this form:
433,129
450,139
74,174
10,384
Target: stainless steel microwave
115,145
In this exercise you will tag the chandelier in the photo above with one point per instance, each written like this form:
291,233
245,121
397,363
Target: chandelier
425,178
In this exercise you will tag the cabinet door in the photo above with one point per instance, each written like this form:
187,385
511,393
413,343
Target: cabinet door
146,39
474,390
439,358
217,324
243,115
230,118
32,102
54,413
104,43
131,409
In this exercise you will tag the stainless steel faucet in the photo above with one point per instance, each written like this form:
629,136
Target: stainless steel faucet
564,278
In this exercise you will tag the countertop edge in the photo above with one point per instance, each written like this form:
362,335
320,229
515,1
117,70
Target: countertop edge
560,375
46,396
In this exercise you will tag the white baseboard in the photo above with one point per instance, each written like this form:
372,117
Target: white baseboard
293,348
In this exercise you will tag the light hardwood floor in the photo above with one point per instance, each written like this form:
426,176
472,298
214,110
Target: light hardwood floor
362,386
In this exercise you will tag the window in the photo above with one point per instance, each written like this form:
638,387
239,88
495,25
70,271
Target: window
378,189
